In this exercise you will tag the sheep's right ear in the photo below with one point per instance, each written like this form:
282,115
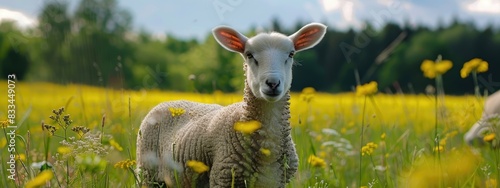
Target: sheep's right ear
230,39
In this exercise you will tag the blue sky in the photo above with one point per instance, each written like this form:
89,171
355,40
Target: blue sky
195,18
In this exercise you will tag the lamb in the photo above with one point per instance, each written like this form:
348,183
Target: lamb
477,131
176,132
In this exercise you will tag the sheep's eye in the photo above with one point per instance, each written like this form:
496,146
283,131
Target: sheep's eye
249,56
291,54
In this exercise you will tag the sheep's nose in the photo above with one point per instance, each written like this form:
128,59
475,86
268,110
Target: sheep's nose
273,83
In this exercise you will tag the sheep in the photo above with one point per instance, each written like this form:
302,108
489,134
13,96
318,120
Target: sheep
176,132
491,109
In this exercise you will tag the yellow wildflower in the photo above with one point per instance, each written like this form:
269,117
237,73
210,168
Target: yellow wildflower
367,89
307,94
125,164
322,154
63,150
40,179
489,137
4,124
439,148
368,148
265,151
247,127
343,130
431,69
442,142
3,142
491,183
474,65
176,111
21,157
197,166
115,145
316,161
382,136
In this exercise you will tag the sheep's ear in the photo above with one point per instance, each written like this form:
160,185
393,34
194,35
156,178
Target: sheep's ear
230,39
308,36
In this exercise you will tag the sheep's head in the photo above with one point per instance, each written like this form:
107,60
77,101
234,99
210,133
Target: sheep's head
269,56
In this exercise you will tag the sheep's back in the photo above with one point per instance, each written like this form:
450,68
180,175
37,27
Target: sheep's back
492,104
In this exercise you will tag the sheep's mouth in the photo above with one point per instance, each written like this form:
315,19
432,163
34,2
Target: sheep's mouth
271,95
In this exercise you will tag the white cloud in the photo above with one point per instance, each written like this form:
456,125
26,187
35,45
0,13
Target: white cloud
348,11
344,8
484,6
331,5
21,19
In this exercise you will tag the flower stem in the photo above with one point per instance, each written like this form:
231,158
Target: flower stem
476,85
361,144
376,174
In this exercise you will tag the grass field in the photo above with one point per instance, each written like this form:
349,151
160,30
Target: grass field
401,149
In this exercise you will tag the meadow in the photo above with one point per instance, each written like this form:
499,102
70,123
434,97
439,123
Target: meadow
343,140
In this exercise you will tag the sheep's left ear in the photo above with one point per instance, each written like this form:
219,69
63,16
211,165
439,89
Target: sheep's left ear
308,36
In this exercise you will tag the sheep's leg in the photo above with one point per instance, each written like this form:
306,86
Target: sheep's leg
154,144
220,175
291,159
147,149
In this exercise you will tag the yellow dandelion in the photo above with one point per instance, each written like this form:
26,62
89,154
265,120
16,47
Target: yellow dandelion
176,111
4,124
432,69
368,148
265,151
247,127
382,136
125,164
197,166
21,157
64,150
474,65
489,137
115,145
439,148
316,161
40,179
307,94
367,89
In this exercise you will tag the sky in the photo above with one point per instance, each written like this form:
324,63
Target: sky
196,18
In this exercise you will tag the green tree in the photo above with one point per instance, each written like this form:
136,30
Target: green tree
54,26
14,57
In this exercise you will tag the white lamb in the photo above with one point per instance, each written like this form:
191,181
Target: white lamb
491,109
205,132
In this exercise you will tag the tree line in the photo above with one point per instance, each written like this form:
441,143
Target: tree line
96,45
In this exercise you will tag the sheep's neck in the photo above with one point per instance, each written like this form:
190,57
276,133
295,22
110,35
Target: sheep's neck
268,113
